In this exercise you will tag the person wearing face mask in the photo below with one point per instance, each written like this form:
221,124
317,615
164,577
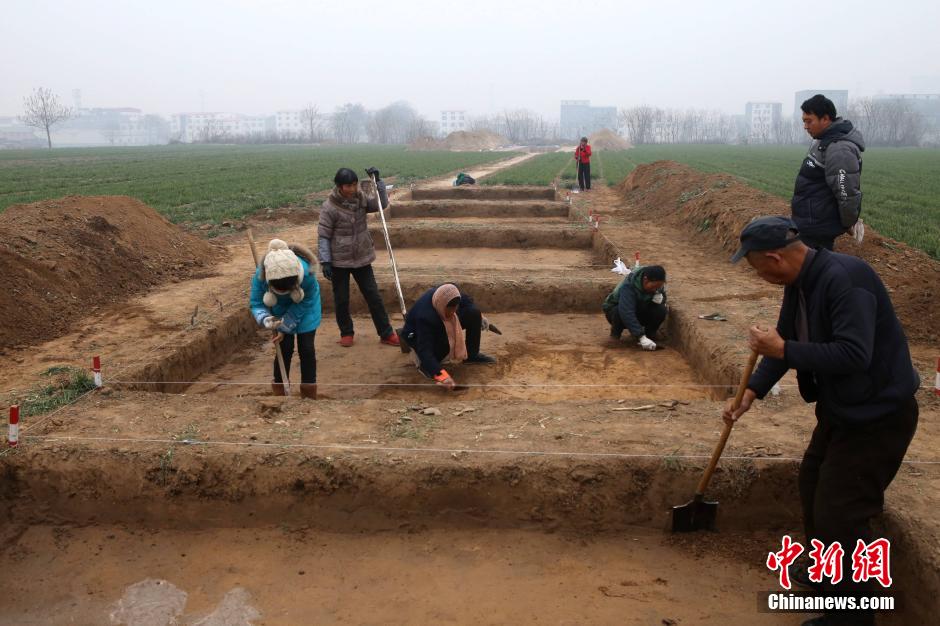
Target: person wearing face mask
346,249
285,298
444,325
638,304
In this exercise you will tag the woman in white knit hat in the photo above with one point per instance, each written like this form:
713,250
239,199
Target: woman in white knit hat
285,297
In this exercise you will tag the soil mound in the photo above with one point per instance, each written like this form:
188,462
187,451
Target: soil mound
462,141
606,139
720,205
60,259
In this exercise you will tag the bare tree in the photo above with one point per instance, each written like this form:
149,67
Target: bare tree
888,121
43,110
639,122
310,118
393,124
348,122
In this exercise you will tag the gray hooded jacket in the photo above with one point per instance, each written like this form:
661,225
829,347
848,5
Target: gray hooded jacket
827,197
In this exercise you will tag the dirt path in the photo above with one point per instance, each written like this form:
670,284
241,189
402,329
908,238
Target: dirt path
477,173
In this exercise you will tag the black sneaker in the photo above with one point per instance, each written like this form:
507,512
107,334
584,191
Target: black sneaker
402,341
479,357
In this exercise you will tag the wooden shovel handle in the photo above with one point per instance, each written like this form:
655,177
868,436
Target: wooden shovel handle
277,346
713,463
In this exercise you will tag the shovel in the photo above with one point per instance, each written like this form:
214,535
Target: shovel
697,514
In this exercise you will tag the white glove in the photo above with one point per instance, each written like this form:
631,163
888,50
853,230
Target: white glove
858,230
658,297
620,268
646,343
271,322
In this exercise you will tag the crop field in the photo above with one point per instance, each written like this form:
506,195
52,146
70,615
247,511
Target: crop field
539,170
208,184
901,186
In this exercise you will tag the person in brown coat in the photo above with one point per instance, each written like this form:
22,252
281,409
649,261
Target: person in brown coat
345,249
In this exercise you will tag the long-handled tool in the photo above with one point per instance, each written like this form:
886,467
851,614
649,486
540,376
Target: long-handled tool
277,347
388,245
698,514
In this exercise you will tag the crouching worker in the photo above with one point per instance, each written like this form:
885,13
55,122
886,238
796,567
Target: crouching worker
444,325
638,304
285,298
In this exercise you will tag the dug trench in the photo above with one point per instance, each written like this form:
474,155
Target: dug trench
399,504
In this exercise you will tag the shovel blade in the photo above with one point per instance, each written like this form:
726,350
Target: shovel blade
694,515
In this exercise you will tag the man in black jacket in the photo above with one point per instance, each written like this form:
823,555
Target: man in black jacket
837,328
827,196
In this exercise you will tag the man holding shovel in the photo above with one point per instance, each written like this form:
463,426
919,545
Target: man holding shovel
582,156
837,328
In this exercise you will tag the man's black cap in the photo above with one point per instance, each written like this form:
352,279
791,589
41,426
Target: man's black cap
766,233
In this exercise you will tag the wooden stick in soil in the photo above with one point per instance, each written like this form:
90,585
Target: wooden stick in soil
277,346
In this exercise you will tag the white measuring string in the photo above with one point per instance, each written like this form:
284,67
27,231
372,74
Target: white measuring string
430,450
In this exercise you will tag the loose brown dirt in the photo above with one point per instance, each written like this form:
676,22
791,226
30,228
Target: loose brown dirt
485,510
718,206
462,141
63,259
607,139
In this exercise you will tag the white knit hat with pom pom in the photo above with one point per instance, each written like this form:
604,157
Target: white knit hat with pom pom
281,262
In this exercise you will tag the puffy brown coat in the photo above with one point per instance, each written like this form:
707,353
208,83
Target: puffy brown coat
343,232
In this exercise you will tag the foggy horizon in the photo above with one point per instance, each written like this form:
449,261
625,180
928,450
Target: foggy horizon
242,57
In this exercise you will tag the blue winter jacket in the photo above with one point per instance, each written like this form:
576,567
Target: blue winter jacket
296,318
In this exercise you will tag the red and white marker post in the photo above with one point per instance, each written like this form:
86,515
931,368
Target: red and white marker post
96,369
13,435
936,384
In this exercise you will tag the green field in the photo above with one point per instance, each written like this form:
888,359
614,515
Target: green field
208,184
539,170
901,185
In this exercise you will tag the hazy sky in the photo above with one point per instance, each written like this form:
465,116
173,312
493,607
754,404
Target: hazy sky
170,56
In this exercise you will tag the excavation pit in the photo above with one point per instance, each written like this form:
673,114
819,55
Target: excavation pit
300,536
541,358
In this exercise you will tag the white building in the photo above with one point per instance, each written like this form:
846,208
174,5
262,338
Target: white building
216,126
288,124
762,119
452,121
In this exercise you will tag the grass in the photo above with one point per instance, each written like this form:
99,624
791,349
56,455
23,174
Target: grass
65,385
539,170
209,184
900,185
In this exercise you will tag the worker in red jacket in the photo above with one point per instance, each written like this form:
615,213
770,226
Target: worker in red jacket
582,155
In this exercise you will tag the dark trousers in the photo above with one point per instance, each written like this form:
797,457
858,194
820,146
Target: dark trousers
472,321
649,314
817,242
365,278
308,356
584,175
842,480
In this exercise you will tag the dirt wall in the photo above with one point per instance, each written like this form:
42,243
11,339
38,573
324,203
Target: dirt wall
718,206
63,259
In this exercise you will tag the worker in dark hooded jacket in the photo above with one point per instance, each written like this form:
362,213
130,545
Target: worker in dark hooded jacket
827,197
444,325
638,304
